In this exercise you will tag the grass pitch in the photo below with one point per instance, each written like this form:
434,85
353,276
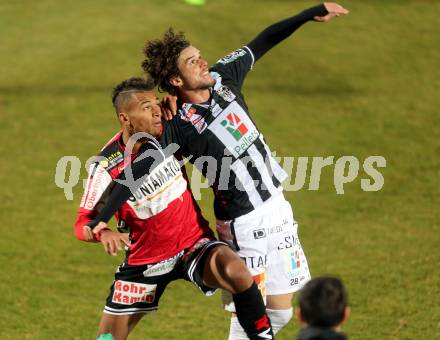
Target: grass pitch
362,85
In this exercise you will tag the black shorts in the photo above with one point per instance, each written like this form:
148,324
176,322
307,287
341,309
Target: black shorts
137,289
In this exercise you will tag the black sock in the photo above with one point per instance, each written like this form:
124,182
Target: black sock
251,313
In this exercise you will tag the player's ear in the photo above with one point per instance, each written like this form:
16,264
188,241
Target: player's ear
123,118
176,81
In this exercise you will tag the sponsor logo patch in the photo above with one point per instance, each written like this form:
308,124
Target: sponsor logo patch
189,115
232,56
96,185
234,126
295,263
262,324
163,267
278,228
295,259
199,244
111,161
164,184
260,281
234,129
128,293
259,233
255,261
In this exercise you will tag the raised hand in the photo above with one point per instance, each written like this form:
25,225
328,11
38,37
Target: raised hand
168,106
334,10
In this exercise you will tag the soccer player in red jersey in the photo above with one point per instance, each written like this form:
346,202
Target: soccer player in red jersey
159,222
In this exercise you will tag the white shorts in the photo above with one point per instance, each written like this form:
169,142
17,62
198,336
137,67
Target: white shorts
267,241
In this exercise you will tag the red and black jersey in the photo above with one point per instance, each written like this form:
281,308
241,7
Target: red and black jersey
161,214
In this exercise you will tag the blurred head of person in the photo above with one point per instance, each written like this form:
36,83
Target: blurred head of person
175,65
323,303
137,107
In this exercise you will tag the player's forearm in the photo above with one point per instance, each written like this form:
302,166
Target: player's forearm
276,33
88,211
96,191
121,192
119,195
84,218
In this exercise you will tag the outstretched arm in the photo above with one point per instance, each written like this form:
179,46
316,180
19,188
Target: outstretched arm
148,158
276,33
95,194
97,227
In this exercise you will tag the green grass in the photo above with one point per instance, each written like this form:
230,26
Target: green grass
362,85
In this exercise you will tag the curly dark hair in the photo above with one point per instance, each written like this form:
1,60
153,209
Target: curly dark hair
161,58
121,94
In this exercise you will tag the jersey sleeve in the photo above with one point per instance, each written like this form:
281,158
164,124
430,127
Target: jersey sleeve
173,138
129,181
235,65
274,34
96,192
171,133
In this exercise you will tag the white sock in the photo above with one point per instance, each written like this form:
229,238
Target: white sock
279,318
236,332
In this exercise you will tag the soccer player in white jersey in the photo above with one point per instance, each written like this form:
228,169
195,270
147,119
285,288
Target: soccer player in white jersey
214,126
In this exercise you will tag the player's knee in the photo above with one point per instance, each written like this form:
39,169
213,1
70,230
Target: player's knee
279,317
233,269
239,276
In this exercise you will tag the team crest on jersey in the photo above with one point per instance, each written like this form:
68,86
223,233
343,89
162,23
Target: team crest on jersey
234,129
232,56
226,93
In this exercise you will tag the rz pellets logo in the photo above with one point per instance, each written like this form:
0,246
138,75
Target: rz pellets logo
234,126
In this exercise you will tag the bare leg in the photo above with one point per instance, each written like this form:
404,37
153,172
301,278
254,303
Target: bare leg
224,269
118,325
282,301
279,309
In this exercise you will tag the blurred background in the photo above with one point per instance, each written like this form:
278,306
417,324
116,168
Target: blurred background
362,85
